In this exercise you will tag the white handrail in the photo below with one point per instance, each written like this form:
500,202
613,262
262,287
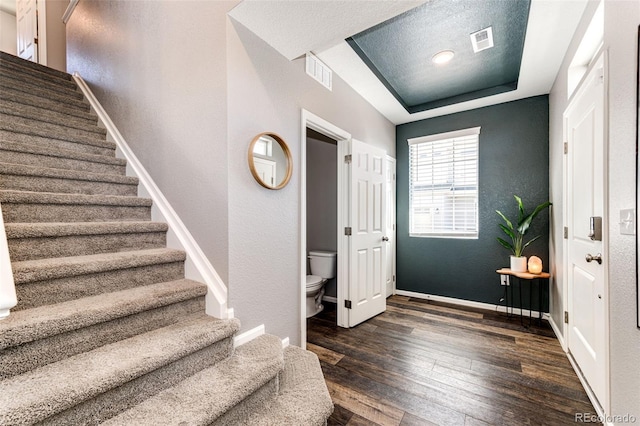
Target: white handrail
197,266
8,298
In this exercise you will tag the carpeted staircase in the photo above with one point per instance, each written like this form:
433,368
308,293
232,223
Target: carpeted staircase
107,329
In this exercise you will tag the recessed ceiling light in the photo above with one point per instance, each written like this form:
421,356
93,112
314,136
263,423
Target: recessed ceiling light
442,57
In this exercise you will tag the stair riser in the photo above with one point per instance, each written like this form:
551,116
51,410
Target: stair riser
32,65
115,401
15,157
28,356
99,148
32,95
15,213
48,292
66,186
52,85
48,116
16,124
80,245
239,414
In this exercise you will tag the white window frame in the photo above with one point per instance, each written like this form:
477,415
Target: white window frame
443,138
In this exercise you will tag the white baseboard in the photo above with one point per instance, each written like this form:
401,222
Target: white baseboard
285,342
558,333
471,303
248,335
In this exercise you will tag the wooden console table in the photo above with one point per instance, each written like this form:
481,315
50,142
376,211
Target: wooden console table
530,278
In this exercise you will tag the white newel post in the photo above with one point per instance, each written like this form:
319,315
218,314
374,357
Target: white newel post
8,298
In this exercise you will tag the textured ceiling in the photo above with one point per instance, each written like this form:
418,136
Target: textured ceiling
399,51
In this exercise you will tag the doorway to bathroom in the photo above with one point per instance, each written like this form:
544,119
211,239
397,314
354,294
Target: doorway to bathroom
343,205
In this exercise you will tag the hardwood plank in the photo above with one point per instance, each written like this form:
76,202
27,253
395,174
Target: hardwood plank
340,416
428,363
390,395
324,354
364,406
411,420
356,420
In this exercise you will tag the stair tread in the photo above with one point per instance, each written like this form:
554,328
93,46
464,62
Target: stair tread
30,170
44,321
40,393
303,398
11,122
28,64
43,85
58,267
196,400
13,107
35,96
21,135
31,74
58,229
61,153
9,196
82,112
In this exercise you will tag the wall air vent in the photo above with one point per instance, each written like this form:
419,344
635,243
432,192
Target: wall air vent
482,39
319,71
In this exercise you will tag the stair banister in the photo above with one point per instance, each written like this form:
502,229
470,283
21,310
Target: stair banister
8,298
197,266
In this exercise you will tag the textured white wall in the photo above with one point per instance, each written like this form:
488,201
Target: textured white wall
8,35
267,93
159,69
56,34
622,18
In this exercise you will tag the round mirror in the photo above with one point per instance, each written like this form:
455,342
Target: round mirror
270,161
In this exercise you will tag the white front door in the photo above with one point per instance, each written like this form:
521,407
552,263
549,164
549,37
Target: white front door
27,29
390,231
586,253
368,263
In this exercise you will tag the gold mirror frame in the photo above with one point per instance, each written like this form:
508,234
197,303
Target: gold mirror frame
287,155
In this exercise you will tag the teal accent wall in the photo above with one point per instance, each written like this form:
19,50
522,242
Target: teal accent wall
513,159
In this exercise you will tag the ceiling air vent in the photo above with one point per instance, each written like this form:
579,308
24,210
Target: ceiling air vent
482,39
319,71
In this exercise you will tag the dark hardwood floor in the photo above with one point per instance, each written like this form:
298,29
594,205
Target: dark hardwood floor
428,363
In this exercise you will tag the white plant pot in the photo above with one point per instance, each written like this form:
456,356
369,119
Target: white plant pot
519,264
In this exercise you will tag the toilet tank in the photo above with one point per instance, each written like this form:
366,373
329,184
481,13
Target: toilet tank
323,263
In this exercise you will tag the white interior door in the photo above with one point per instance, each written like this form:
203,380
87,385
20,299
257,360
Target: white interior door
390,231
367,273
27,29
587,295
266,169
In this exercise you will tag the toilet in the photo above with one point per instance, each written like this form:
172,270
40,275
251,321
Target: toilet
323,268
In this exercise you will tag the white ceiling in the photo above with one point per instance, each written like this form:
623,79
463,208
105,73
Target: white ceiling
295,27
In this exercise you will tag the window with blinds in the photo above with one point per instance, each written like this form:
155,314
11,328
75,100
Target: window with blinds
443,185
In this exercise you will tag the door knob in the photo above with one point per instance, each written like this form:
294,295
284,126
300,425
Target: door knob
385,238
597,258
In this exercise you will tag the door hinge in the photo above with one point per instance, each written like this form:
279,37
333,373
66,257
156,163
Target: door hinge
566,317
347,159
394,278
347,230
35,40
566,232
566,147
347,304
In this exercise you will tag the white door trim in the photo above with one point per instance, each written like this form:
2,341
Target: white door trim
603,407
392,161
312,121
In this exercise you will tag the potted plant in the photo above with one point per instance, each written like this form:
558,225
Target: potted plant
517,233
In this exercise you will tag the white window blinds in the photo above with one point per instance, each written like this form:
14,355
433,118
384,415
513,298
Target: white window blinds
443,185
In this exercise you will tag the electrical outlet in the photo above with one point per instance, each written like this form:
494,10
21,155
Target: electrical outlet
504,279
628,222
